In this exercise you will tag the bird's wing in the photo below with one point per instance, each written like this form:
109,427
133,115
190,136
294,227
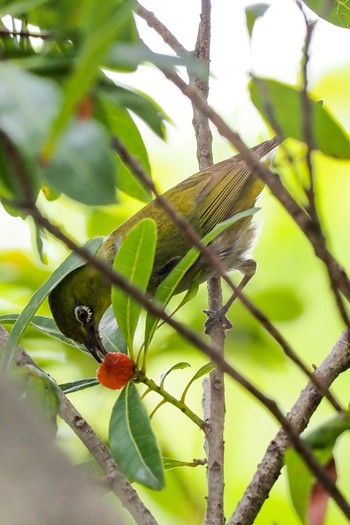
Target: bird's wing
216,202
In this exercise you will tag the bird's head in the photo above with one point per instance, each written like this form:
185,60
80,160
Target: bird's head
77,304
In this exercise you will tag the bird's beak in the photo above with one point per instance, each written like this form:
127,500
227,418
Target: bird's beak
94,344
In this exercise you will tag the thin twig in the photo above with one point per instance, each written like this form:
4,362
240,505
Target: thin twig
25,34
213,399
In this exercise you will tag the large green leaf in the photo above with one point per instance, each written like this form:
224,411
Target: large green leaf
132,440
336,12
139,103
120,124
282,107
134,260
71,263
168,286
28,105
81,166
97,39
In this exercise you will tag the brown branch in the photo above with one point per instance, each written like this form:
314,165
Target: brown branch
213,399
160,28
337,362
116,480
25,34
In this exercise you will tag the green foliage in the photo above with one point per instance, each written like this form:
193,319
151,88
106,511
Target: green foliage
253,13
321,441
334,11
132,441
122,125
58,112
282,106
134,261
51,96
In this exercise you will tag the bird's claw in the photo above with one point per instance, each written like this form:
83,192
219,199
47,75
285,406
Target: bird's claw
214,317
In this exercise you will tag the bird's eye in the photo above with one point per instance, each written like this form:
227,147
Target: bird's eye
82,314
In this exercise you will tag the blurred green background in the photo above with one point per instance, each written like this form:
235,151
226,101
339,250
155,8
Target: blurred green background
290,286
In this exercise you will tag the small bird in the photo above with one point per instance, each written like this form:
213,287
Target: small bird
205,199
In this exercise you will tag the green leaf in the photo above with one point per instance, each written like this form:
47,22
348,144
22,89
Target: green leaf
120,124
203,370
132,440
253,13
81,384
300,482
281,105
134,260
93,49
168,286
326,434
46,325
177,366
321,441
81,166
20,7
336,12
71,263
41,392
139,103
133,54
28,105
111,335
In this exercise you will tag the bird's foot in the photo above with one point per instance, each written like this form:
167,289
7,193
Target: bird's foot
214,317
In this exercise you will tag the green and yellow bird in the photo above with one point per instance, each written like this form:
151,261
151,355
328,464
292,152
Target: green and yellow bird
205,199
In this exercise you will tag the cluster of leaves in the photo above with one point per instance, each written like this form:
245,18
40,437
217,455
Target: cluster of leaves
58,107
58,112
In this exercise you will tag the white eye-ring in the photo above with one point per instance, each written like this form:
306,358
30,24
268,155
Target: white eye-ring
83,314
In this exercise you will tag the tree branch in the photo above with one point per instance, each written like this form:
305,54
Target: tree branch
337,362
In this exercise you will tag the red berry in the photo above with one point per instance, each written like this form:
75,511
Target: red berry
115,370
